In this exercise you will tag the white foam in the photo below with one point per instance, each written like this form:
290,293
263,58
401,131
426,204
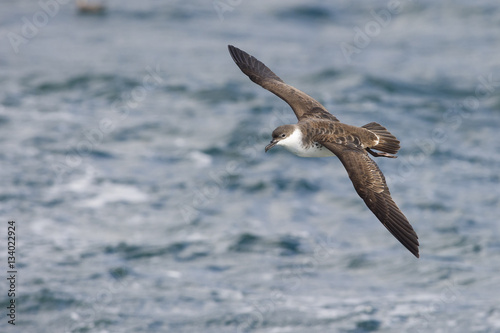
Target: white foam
201,159
111,193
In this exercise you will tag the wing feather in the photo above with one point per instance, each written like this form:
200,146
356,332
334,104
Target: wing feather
371,186
302,104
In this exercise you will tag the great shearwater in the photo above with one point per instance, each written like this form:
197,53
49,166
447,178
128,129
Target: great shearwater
318,133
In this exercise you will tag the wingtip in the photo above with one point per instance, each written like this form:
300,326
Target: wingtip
233,49
414,248
234,52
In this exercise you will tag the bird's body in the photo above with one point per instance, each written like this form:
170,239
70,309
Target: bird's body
318,133
295,144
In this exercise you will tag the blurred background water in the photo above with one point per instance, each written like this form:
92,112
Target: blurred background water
133,164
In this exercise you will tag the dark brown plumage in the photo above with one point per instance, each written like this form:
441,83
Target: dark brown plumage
318,129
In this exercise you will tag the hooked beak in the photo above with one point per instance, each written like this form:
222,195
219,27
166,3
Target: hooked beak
271,145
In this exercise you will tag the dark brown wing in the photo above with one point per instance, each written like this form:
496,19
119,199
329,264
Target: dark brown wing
302,104
371,186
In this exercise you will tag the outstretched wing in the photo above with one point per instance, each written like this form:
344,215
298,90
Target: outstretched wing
302,104
371,186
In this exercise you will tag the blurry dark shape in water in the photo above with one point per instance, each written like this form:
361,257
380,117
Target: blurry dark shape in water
225,93
306,12
370,325
358,261
289,244
181,251
325,75
119,273
248,242
47,299
245,243
90,7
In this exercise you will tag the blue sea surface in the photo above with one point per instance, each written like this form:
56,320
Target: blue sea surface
133,165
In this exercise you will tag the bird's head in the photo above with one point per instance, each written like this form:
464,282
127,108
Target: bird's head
279,135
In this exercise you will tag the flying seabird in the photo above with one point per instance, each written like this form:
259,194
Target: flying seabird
318,133
88,7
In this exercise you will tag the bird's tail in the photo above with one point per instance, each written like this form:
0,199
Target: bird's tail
387,142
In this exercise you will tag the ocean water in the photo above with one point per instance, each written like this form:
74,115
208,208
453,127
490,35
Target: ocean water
133,165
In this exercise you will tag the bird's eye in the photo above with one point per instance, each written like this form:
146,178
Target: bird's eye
283,135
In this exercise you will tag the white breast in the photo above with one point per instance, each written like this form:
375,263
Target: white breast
294,145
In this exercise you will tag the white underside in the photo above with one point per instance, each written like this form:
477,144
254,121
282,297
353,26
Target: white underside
294,145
